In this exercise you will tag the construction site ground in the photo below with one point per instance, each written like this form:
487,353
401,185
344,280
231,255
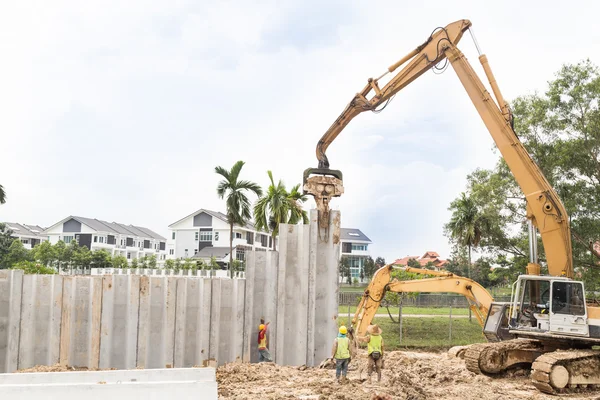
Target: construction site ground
407,375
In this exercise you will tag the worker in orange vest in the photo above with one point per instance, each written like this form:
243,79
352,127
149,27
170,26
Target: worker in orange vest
263,350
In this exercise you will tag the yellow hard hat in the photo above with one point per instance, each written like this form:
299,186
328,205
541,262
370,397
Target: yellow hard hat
343,330
261,327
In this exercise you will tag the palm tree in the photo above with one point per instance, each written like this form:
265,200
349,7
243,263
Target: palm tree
237,204
467,224
2,195
278,206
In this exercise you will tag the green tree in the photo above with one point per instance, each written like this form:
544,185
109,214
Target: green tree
135,263
369,268
6,240
100,259
380,262
467,225
31,267
45,253
82,257
234,190
2,195
119,261
213,264
278,206
152,261
188,264
344,268
170,264
143,261
16,253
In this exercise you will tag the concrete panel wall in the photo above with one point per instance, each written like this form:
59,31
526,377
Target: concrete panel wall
261,301
119,324
10,313
80,322
227,320
156,330
192,322
41,312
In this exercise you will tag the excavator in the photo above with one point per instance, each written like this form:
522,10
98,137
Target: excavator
547,323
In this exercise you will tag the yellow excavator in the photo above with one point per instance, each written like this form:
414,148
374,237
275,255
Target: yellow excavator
547,323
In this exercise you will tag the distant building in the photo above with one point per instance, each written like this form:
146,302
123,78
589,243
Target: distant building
427,258
132,242
29,235
204,234
354,248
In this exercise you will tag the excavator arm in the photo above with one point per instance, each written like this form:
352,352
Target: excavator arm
544,208
444,282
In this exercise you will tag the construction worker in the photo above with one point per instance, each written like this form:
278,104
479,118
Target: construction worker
341,353
375,350
263,351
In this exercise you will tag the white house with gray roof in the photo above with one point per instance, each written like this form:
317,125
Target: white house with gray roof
354,248
204,234
129,241
29,235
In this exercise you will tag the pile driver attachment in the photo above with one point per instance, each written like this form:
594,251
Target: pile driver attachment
323,184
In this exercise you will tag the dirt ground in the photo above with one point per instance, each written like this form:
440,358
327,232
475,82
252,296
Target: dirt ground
407,376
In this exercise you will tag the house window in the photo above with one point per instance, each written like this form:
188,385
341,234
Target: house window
195,251
122,242
249,237
171,252
95,239
359,247
101,239
128,255
68,239
264,240
186,252
353,234
216,235
197,233
173,236
240,254
270,241
205,236
238,235
26,241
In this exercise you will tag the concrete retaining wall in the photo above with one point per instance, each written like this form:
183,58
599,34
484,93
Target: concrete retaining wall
126,321
196,383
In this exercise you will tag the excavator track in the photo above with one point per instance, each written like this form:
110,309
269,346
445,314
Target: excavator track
495,358
566,371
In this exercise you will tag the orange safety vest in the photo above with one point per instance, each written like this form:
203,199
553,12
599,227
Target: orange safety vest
262,341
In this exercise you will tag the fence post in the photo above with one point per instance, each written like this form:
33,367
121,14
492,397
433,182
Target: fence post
450,328
400,318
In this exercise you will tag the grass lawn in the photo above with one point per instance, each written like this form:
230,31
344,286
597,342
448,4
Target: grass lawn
429,333
343,311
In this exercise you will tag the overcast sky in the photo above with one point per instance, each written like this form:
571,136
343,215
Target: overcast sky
120,110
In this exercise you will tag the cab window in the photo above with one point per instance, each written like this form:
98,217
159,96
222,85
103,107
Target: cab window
568,298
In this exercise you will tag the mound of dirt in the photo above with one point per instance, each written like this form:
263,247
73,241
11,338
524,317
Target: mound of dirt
406,376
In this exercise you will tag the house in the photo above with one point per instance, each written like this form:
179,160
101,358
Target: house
205,234
429,258
130,241
354,248
29,235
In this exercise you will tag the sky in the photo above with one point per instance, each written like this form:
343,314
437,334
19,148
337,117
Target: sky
121,110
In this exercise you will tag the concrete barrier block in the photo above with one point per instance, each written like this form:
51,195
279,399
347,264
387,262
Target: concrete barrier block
323,288
156,328
120,306
292,298
196,383
227,320
11,282
41,313
80,321
192,322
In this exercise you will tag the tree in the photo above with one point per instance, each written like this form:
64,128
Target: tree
135,264
31,267
152,261
16,253
467,224
345,271
237,204
170,264
2,195
82,257
119,261
100,259
6,240
278,206
380,262
45,253
369,267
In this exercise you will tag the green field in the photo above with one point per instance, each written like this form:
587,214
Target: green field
343,311
428,333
